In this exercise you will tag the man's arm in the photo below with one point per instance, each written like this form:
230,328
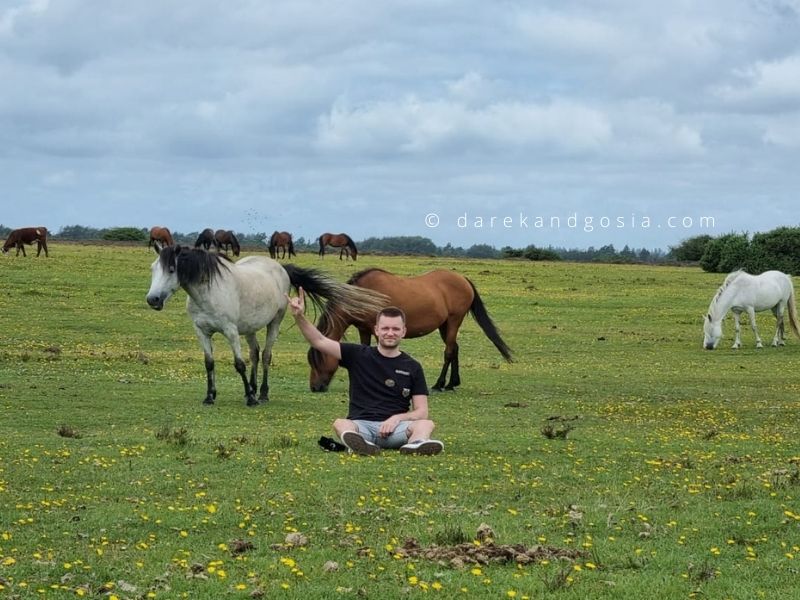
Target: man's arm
419,411
310,332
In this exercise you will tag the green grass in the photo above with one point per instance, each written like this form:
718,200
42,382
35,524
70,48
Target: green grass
676,475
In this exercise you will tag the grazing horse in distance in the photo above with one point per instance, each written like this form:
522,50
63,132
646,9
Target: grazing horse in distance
242,298
281,240
226,240
438,299
206,239
160,238
27,235
742,292
341,240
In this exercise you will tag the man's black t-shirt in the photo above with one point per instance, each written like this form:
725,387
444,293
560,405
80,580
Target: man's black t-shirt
380,387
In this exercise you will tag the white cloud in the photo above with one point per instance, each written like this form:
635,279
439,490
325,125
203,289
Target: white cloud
415,126
783,131
563,31
765,84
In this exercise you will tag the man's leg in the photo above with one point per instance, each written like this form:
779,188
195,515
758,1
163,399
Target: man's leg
357,438
419,441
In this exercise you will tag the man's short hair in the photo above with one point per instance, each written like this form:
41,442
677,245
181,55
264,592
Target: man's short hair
391,311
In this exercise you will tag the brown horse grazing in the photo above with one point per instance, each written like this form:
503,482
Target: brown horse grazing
27,235
160,238
436,300
206,239
340,240
281,240
226,240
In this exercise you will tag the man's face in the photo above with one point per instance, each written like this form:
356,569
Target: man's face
389,331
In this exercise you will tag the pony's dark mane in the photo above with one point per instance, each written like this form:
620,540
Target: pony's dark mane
358,275
193,265
235,240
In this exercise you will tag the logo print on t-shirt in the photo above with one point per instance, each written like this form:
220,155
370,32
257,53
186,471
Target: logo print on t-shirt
389,383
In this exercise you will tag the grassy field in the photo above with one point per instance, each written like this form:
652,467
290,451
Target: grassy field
641,465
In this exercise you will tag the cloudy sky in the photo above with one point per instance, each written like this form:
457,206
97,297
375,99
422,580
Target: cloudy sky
573,123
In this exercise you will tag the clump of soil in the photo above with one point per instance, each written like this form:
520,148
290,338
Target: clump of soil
471,554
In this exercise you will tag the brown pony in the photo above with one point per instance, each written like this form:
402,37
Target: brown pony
226,240
206,239
436,300
27,235
160,237
340,240
281,240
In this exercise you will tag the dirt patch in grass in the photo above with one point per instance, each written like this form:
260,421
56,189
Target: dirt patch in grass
487,553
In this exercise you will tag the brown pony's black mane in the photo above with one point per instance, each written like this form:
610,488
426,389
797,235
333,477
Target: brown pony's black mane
358,275
193,265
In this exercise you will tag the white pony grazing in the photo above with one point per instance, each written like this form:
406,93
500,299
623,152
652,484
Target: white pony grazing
742,292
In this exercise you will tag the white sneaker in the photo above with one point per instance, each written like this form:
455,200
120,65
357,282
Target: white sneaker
357,444
424,447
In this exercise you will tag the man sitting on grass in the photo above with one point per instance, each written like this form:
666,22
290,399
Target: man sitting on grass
388,394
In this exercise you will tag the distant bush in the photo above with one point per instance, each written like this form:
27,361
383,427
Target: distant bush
482,251
398,245
125,234
79,232
531,253
692,249
726,253
777,249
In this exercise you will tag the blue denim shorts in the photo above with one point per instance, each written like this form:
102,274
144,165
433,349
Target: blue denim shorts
369,430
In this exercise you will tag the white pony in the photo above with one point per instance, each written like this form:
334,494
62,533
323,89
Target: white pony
243,298
742,292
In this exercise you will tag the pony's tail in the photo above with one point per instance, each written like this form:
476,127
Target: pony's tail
321,245
352,245
358,302
794,322
481,316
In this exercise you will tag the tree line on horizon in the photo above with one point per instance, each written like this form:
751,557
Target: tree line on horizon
410,245
776,249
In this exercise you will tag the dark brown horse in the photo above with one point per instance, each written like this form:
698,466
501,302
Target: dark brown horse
160,237
27,235
436,300
226,240
341,240
206,239
281,240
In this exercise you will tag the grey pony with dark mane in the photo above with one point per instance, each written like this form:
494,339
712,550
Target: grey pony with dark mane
243,298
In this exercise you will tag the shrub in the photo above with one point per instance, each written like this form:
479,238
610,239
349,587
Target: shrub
125,234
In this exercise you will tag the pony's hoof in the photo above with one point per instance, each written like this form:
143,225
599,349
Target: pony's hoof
208,402
263,399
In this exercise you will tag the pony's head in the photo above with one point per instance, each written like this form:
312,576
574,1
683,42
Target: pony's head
712,332
176,267
323,367
164,276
